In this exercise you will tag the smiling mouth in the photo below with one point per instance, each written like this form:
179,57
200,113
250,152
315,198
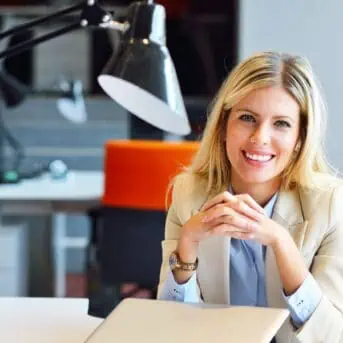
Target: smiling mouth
257,158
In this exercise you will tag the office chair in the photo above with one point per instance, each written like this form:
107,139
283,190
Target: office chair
125,251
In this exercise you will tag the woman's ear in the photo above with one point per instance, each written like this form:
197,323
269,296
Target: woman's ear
297,146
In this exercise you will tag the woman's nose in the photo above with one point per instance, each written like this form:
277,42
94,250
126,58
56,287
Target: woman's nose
260,136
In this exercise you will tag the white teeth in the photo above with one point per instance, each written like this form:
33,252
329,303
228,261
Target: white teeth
262,158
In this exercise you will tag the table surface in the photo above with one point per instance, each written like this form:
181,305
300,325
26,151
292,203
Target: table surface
79,191
45,320
78,185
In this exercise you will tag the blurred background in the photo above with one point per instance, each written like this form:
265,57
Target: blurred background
205,39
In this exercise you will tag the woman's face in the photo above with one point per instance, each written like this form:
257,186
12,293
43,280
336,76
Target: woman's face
261,134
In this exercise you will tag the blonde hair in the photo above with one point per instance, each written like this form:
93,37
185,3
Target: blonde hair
295,75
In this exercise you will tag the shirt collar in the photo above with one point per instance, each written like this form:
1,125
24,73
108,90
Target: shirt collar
269,207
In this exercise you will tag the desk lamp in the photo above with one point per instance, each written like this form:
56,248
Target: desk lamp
141,76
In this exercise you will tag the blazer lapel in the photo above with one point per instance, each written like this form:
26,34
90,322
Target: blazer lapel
288,213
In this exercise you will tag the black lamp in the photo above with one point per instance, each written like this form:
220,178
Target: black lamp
142,76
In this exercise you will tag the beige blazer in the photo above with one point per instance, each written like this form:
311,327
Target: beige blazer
314,220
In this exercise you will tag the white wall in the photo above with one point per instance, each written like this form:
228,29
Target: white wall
310,27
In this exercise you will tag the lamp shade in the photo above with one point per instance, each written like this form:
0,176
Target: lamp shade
141,76
12,91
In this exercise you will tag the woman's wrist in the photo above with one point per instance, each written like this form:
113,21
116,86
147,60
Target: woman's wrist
188,253
280,237
291,266
187,249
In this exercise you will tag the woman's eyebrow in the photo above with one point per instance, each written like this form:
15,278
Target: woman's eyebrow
247,110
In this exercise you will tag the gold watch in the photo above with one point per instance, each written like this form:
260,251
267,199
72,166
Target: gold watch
176,263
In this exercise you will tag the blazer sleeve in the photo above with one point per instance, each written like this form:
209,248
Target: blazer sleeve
326,322
172,233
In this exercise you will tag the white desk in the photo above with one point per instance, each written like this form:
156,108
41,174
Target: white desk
45,196
45,320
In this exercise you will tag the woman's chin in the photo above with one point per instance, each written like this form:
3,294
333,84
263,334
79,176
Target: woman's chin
261,178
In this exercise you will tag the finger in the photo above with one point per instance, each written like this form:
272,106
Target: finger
221,198
237,221
247,215
228,197
251,202
242,207
242,235
225,229
216,211
236,204
243,203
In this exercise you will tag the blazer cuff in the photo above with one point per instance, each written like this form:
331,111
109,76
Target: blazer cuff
325,325
304,301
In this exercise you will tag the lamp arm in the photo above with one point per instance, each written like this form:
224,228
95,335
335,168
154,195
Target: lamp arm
20,28
16,49
92,15
116,25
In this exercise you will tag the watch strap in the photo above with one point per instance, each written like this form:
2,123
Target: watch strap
181,265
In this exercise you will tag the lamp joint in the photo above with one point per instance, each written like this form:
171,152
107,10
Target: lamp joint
94,15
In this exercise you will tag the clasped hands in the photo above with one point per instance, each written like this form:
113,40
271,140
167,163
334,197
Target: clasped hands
236,216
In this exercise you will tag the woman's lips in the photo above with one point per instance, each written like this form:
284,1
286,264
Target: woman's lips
257,159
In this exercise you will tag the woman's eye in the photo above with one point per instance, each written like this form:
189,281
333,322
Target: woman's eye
282,124
247,117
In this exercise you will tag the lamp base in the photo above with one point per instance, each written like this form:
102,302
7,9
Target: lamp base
56,169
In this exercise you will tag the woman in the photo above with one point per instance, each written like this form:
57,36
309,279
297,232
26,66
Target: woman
256,219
